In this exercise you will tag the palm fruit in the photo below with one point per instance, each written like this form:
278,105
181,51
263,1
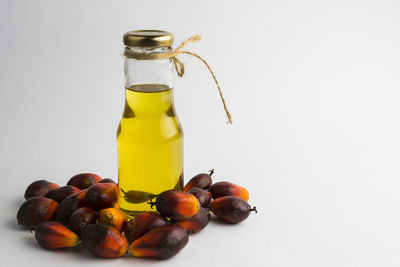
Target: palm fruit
202,181
104,241
84,180
107,180
62,192
203,196
52,235
222,189
113,217
136,197
71,204
143,223
197,222
177,205
80,218
160,243
40,188
36,210
102,196
231,209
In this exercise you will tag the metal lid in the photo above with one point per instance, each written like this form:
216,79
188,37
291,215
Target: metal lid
148,38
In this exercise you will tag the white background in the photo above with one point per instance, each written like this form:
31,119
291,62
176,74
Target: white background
313,88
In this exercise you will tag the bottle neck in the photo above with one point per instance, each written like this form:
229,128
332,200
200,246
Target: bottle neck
148,72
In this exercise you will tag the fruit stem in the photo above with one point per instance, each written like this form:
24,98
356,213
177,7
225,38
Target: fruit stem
211,171
151,203
254,209
123,191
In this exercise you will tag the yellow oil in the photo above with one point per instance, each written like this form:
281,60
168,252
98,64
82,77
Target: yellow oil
150,147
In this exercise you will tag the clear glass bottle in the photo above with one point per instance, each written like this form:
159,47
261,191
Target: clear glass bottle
149,136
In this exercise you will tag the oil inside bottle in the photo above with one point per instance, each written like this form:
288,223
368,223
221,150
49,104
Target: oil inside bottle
150,147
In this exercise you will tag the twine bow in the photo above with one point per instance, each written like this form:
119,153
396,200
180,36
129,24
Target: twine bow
179,66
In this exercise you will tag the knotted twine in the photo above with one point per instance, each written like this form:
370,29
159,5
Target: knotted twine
179,66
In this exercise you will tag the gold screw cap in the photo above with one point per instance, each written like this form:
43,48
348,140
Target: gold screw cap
148,38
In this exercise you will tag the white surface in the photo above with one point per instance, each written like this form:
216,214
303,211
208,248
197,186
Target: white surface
313,87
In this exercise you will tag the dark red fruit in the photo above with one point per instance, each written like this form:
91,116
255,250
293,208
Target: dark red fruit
203,196
40,188
52,235
202,181
71,204
108,180
104,241
197,222
36,210
177,205
80,218
84,180
231,209
222,189
102,196
143,223
160,243
62,192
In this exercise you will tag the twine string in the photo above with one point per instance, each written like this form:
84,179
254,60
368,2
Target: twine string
179,66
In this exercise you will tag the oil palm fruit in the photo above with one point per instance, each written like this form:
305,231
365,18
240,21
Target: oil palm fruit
222,189
197,222
203,196
231,209
80,218
102,195
52,235
202,181
84,180
113,217
62,192
177,205
36,210
160,243
40,188
143,223
71,204
108,180
104,241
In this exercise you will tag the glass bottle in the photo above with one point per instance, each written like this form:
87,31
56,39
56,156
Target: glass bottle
149,136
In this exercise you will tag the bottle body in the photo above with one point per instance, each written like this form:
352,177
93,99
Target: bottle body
150,146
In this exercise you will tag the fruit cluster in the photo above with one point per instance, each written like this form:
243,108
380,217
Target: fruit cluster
86,210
